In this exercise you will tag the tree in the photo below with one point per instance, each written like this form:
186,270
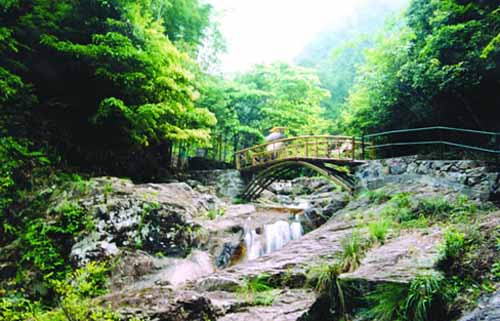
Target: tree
111,86
442,69
292,100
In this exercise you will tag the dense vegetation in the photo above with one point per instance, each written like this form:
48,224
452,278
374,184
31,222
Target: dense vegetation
440,67
121,87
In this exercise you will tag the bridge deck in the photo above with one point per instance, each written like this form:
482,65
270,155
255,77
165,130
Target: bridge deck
339,150
320,160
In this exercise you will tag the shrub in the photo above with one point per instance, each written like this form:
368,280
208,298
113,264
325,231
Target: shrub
402,200
47,242
453,246
74,295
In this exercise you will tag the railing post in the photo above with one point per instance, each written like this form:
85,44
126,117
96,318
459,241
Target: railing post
363,146
353,148
317,150
495,141
237,159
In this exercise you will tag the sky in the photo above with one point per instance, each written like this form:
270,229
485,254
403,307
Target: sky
263,31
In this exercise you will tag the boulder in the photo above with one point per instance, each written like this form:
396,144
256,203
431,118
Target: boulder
156,218
488,309
400,260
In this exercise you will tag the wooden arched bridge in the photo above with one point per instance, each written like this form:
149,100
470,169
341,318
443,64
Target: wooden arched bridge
330,156
334,157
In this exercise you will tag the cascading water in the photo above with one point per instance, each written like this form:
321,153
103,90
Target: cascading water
273,238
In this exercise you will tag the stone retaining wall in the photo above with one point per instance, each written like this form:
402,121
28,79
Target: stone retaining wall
477,179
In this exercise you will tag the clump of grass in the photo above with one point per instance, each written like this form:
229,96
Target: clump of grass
353,249
258,290
422,300
435,207
379,229
386,302
452,249
377,196
324,279
402,200
324,276
214,213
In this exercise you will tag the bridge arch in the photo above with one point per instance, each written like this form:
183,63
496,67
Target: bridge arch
263,179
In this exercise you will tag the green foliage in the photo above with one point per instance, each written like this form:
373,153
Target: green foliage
340,49
454,243
289,97
74,295
257,290
324,278
113,88
426,211
377,196
214,213
495,269
442,59
402,200
424,299
353,250
379,229
387,300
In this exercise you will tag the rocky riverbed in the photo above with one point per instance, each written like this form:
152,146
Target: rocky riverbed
185,252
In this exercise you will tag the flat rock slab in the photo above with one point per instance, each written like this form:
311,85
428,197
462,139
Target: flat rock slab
288,306
400,260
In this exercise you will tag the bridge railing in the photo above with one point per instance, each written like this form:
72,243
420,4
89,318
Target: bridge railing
300,147
438,140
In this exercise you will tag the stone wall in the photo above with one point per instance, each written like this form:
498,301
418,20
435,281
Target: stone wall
477,179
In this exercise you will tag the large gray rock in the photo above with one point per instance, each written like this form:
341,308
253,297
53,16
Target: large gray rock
488,309
400,260
157,218
227,183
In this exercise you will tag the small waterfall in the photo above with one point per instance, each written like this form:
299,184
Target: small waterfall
253,245
273,238
296,229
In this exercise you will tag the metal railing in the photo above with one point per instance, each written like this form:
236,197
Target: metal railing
322,147
412,141
372,146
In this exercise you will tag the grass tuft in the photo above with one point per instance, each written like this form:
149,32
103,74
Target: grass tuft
379,229
353,249
258,291
424,299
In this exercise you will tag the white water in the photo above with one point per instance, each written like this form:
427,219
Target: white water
274,237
